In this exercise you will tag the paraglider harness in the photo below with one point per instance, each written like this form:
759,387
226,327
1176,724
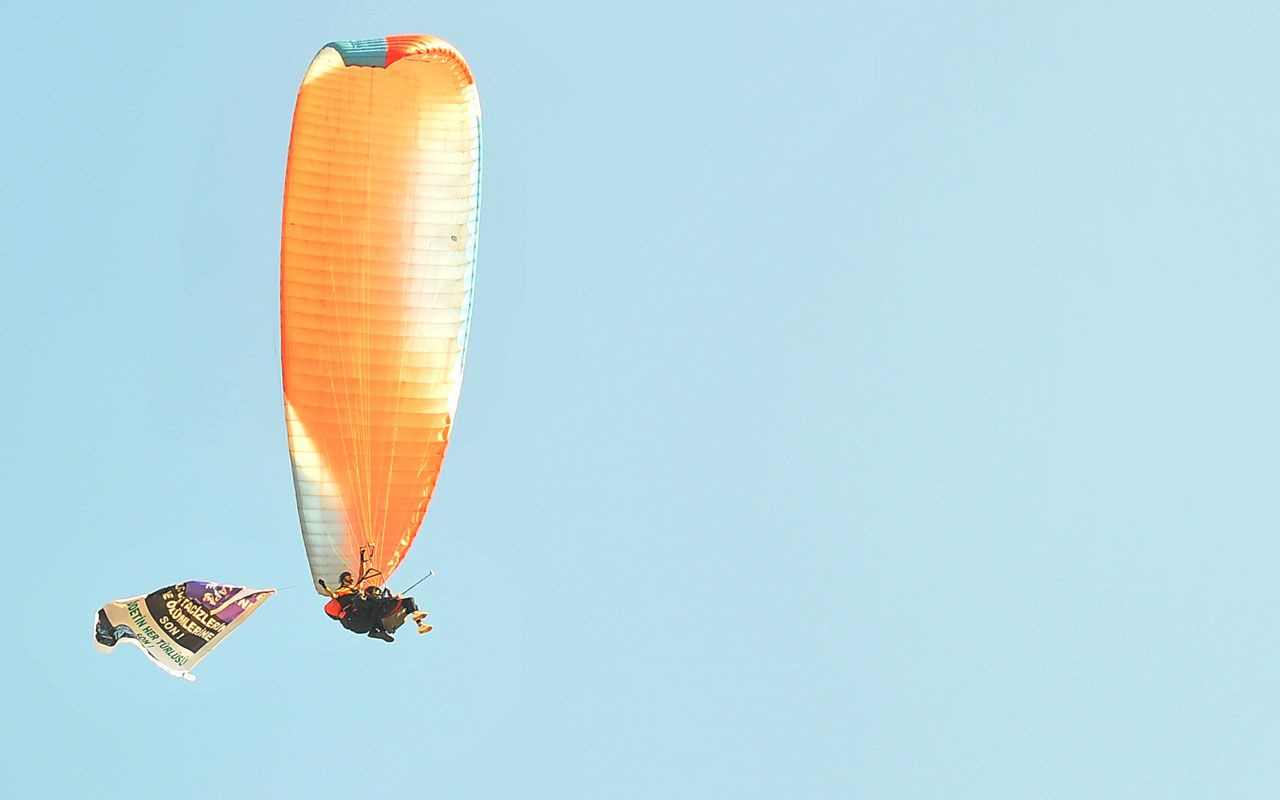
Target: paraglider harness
375,611
339,607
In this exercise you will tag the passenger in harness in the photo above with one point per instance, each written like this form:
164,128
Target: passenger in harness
390,611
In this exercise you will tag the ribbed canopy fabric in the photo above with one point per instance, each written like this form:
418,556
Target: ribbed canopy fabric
377,262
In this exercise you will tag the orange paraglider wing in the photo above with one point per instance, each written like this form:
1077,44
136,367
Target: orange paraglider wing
377,261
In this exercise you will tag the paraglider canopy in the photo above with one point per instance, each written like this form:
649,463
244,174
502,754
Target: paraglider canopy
377,262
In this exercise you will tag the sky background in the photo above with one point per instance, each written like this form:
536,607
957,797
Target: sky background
863,401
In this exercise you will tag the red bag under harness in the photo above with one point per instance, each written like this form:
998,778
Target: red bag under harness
334,609
340,606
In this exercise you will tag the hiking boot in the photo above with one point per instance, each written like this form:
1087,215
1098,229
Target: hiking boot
418,616
423,628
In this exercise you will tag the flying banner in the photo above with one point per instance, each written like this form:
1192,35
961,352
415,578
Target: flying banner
177,625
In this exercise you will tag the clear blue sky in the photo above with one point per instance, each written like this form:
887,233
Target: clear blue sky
862,401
